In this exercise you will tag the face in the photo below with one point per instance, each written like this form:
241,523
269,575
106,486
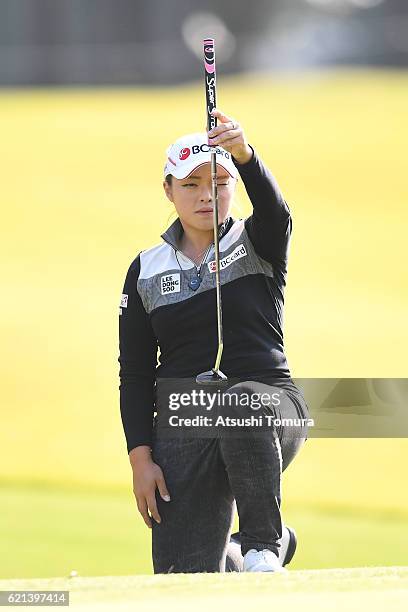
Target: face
192,197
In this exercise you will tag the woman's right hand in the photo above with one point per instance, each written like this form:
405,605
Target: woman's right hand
147,475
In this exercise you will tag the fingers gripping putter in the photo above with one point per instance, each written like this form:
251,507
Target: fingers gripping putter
214,376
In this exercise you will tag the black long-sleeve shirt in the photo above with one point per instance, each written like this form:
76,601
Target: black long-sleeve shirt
159,310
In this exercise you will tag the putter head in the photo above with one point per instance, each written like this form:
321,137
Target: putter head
212,377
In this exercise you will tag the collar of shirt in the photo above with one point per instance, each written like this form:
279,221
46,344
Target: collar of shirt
173,233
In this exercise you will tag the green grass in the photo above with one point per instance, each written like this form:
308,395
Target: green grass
310,590
51,531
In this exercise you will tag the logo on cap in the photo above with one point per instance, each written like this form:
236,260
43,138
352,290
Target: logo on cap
184,153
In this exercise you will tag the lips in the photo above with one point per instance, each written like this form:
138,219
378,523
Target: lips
205,210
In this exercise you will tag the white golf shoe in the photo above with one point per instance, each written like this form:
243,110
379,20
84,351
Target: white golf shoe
287,549
262,561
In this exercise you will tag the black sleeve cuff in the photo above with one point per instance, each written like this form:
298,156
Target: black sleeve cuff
131,445
249,164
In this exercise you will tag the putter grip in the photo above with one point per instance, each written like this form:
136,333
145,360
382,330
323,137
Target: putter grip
210,81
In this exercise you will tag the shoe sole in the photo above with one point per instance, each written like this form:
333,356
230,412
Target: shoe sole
291,547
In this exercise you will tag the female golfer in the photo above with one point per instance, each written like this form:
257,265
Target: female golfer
187,487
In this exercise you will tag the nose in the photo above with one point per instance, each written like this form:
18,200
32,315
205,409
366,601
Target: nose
206,193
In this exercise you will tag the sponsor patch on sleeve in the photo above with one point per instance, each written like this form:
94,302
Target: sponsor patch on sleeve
124,300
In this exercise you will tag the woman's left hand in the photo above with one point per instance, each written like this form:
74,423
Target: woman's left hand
230,136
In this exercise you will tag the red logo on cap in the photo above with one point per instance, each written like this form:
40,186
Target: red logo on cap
184,153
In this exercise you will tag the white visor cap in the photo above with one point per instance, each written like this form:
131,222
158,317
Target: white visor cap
192,151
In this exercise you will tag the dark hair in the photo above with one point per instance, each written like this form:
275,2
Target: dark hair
169,179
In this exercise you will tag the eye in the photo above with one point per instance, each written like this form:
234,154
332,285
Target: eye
190,185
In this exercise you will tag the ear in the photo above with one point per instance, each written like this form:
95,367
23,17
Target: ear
168,191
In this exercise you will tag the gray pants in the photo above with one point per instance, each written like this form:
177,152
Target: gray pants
208,477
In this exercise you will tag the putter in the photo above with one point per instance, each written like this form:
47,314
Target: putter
214,376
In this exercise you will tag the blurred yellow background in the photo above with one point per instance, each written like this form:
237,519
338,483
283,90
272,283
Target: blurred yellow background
81,190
